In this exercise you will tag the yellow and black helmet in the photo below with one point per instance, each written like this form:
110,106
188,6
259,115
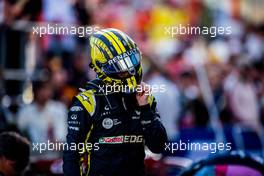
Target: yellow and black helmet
115,58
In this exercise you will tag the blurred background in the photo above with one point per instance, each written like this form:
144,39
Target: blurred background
214,85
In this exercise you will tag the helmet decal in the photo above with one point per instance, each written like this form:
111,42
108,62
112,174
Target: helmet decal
115,58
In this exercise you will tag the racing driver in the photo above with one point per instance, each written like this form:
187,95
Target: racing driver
114,126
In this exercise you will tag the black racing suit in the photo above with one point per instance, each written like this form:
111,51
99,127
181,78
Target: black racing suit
115,129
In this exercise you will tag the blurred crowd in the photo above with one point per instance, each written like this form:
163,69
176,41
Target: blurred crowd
210,82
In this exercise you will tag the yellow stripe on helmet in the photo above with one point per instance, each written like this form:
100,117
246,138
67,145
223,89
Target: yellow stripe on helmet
134,81
131,82
120,44
118,50
100,43
124,38
140,70
128,40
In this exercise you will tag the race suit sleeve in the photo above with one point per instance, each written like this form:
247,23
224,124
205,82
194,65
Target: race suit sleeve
154,132
79,124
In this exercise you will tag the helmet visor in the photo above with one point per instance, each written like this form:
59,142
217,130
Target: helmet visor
126,62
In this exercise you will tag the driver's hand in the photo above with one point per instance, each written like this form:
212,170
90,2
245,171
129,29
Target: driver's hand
142,97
